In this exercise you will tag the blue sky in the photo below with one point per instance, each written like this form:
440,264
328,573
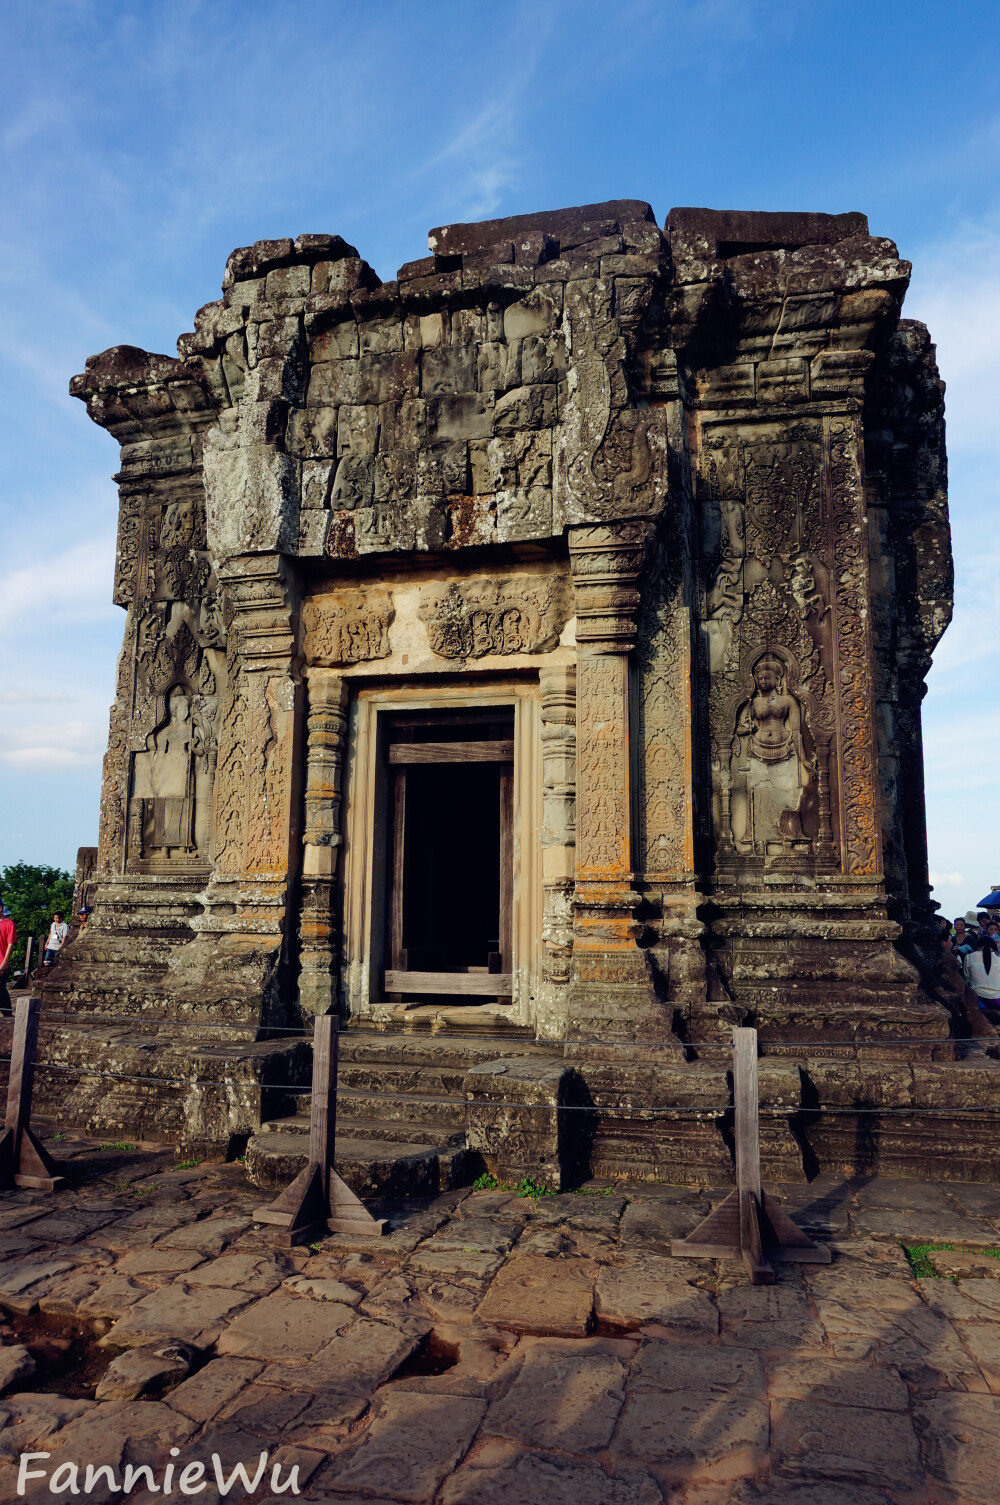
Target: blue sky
139,143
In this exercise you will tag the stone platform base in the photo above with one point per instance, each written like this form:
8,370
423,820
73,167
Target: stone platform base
422,1111
161,1083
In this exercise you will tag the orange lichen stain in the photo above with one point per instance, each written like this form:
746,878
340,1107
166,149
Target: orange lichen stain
342,543
472,520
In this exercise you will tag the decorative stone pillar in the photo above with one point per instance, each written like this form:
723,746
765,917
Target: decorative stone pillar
610,978
326,727
558,734
257,790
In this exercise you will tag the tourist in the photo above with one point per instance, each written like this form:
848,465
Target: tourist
58,932
982,973
84,915
962,939
8,940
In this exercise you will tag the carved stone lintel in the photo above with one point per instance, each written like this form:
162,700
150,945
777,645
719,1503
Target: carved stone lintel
517,614
348,627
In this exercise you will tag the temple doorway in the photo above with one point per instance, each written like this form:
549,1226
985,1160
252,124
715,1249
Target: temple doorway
449,855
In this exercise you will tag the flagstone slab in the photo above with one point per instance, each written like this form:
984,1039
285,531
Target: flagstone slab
653,1288
209,1237
22,1284
532,1294
204,1394
500,1474
913,1227
469,1267
357,1360
768,1318
282,1326
851,1444
412,1445
567,1394
249,1272
694,1435
64,1296
196,1317
158,1266
70,1226
961,1439
112,1298
836,1383
140,1370
328,1290
16,1364
650,1226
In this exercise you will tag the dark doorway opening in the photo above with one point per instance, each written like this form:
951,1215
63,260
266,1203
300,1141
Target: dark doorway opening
451,855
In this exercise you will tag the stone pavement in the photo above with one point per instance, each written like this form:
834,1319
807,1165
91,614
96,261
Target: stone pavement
498,1348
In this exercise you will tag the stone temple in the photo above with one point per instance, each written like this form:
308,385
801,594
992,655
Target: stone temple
523,660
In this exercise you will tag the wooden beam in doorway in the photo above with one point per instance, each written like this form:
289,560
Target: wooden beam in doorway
451,752
488,984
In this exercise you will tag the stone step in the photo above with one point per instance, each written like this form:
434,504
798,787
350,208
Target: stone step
410,1131
370,1167
426,1051
403,1107
412,1078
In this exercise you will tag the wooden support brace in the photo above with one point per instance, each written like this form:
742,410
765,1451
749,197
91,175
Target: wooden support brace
318,1202
23,1161
749,1223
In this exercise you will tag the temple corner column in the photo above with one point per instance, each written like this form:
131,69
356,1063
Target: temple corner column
611,990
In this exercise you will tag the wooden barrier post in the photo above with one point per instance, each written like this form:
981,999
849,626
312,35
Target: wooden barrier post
23,1161
749,1223
318,1201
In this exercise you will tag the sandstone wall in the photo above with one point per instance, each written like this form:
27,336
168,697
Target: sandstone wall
682,491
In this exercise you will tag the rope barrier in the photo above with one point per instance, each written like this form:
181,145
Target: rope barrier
419,1099
436,1036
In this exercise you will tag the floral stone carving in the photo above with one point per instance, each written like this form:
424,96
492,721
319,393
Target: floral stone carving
521,614
349,627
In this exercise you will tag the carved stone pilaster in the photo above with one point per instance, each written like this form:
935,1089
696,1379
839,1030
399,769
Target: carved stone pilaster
326,728
558,733
256,783
607,563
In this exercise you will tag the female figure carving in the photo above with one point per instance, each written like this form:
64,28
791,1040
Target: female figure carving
770,768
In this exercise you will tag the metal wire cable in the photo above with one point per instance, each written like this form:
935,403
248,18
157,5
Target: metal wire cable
437,1036
416,1099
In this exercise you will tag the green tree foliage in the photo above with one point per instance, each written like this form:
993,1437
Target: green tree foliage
33,893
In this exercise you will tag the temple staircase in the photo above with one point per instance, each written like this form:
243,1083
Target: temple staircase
401,1115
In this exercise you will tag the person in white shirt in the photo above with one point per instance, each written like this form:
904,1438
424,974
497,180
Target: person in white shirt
56,937
982,973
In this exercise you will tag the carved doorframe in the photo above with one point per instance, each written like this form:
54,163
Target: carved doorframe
364,855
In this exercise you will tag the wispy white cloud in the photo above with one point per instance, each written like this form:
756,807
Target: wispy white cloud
70,744
956,291
34,697
73,584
